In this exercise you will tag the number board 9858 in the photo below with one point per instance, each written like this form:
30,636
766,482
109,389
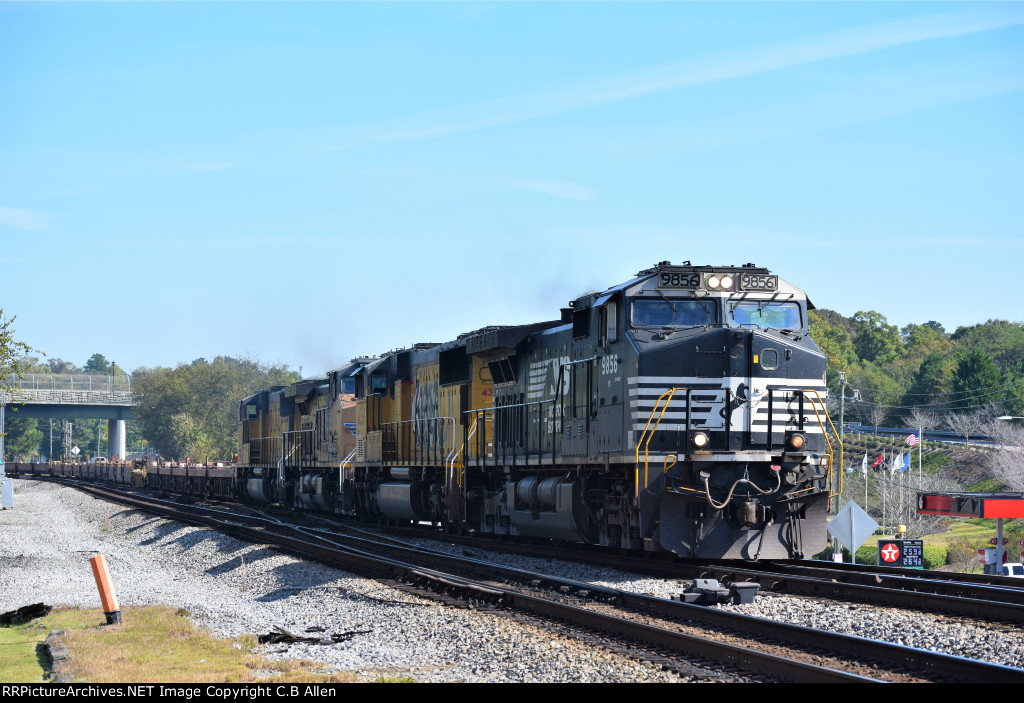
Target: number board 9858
756,281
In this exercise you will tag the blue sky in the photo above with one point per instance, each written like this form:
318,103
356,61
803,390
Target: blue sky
307,182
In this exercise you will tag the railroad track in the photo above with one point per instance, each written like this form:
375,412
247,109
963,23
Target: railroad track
962,595
693,640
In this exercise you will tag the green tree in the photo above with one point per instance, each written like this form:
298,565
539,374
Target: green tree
877,341
833,339
12,353
97,363
932,382
879,392
23,436
192,439
192,409
1001,340
976,380
61,366
922,340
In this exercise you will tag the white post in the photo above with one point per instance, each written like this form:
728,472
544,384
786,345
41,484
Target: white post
3,404
116,435
999,546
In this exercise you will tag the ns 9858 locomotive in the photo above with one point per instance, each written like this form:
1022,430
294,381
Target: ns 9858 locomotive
682,410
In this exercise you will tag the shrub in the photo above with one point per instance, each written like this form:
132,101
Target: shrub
935,555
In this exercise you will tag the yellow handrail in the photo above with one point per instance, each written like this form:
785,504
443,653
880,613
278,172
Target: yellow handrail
461,475
831,494
646,438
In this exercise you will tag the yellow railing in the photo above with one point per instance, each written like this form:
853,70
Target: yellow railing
456,467
645,436
832,457
648,434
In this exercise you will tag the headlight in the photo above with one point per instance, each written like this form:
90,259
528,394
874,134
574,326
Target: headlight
699,440
714,282
726,282
796,441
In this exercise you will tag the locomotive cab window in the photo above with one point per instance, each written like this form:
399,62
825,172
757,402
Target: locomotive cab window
378,383
609,323
780,316
675,312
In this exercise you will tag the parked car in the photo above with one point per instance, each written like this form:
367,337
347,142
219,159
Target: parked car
1013,569
97,458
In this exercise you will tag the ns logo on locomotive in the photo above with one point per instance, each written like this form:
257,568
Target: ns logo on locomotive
682,410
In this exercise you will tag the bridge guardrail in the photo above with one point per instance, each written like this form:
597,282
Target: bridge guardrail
68,397
72,382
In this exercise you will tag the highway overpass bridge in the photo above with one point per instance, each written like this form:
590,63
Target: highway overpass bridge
76,396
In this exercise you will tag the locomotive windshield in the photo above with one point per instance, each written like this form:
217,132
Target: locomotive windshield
674,313
781,316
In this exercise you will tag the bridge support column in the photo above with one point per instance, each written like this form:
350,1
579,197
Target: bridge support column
115,439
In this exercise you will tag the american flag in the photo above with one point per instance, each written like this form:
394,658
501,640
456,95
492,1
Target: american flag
913,440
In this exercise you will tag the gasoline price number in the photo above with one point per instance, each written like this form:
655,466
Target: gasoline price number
913,554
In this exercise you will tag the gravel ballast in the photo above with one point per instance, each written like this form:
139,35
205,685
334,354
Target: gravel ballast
232,587
52,531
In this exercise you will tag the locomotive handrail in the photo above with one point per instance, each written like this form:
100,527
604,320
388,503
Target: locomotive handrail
347,461
274,445
831,493
646,438
389,431
557,418
454,457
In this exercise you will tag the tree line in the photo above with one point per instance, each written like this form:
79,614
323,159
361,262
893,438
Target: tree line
921,373
189,411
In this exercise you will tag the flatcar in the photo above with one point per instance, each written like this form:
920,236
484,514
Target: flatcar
680,411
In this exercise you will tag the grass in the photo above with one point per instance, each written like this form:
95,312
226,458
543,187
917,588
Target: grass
153,645
20,657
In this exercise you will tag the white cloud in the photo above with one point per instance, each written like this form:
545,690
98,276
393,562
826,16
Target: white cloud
560,189
31,220
709,69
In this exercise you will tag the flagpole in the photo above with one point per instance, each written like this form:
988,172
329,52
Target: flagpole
921,449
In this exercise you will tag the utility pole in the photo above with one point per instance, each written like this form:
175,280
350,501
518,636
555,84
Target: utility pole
842,400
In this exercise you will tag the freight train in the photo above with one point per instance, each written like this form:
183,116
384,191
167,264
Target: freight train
680,411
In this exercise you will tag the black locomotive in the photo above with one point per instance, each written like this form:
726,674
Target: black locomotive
682,410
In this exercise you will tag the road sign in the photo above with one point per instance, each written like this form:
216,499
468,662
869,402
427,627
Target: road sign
852,526
76,451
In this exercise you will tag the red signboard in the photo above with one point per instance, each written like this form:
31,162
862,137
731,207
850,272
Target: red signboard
997,507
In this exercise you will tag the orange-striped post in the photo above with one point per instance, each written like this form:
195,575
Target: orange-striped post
110,606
